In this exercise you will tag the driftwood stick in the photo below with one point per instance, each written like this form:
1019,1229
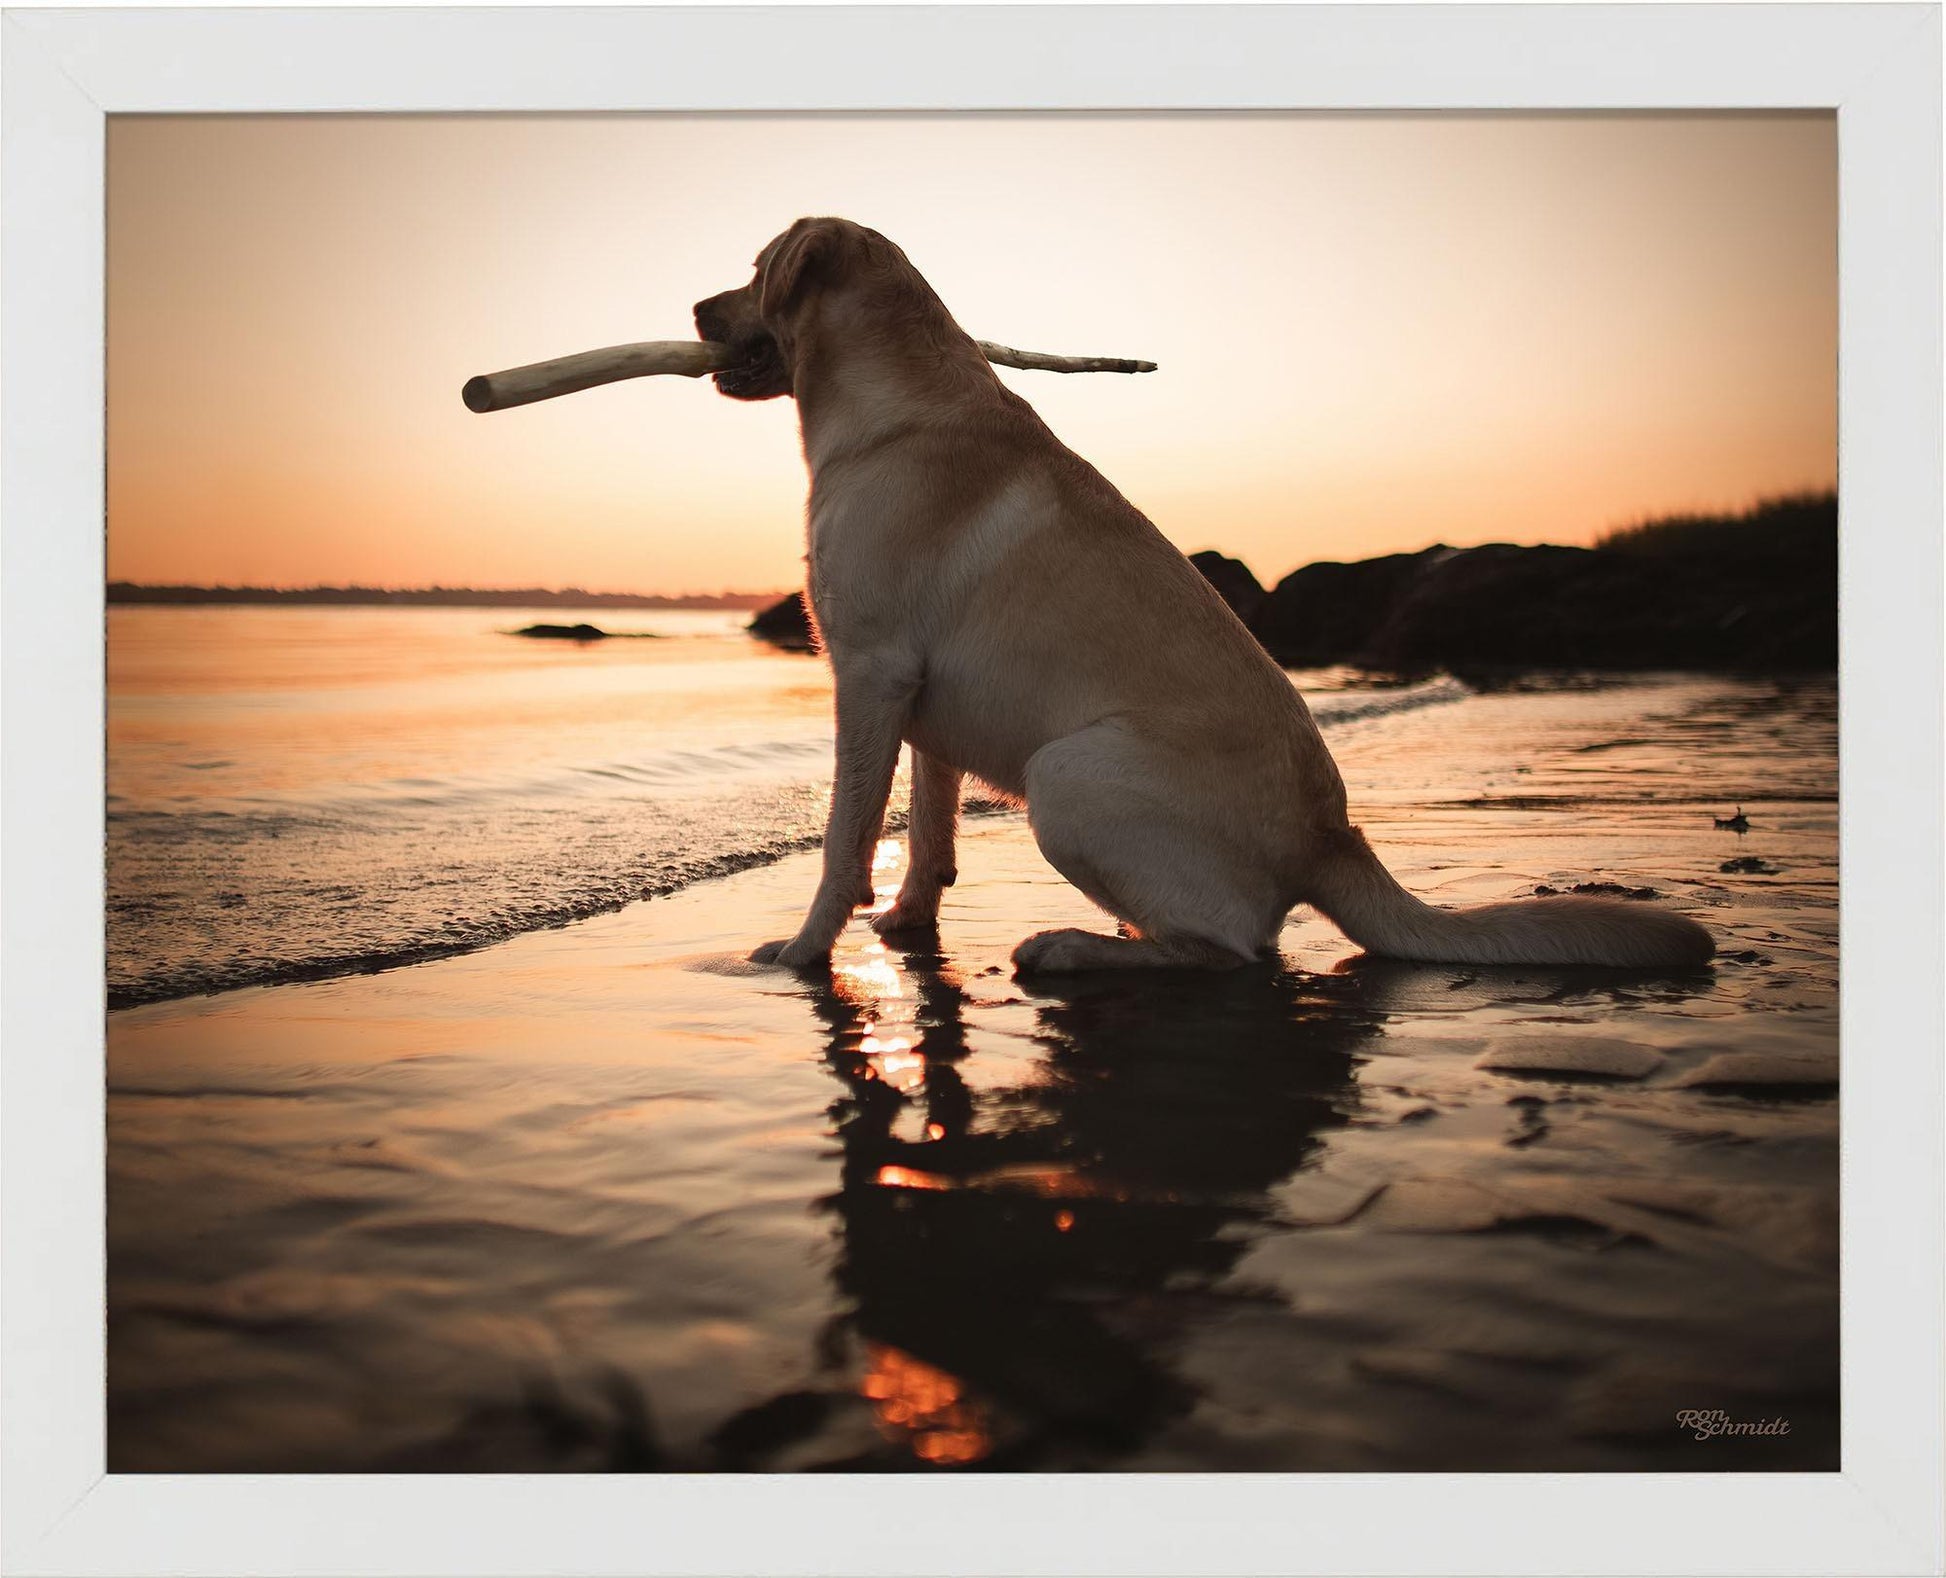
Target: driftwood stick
571,374
1041,362
693,359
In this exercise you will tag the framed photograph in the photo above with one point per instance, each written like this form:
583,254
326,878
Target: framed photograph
1294,925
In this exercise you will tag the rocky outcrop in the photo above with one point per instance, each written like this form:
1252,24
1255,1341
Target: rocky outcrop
785,623
1233,582
1326,611
564,633
1759,593
1756,592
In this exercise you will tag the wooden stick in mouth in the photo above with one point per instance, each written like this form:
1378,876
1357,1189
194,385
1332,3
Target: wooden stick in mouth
695,358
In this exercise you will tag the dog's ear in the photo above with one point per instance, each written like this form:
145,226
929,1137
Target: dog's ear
805,247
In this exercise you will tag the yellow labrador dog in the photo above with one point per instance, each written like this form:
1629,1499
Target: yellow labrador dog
986,596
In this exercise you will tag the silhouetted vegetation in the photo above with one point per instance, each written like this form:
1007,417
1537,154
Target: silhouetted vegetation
1791,521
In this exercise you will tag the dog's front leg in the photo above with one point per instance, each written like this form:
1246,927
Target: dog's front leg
930,862
874,696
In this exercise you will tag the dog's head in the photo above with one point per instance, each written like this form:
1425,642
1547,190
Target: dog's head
765,320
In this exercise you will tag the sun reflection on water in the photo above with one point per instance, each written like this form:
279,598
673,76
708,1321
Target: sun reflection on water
872,974
915,1405
924,1407
983,1210
894,1177
888,857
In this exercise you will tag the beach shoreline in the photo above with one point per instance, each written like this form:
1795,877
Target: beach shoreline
609,1197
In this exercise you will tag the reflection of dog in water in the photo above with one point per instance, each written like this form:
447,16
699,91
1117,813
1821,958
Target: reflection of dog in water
985,595
1020,1260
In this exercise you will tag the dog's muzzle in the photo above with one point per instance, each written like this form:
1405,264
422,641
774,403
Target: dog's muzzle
759,372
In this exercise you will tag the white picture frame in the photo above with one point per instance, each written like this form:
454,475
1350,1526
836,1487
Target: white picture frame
1875,65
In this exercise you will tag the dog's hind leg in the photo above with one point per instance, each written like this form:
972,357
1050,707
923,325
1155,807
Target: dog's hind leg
1101,806
930,866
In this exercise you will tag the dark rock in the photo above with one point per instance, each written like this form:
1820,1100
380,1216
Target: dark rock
1744,593
1329,612
786,624
1494,606
1757,592
1233,582
564,633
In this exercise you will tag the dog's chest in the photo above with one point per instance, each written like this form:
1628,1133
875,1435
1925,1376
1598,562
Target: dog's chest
839,602
858,573
888,563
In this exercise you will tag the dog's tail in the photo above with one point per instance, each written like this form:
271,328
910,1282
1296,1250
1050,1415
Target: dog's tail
1351,887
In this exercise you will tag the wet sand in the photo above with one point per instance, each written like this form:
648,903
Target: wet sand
606,1197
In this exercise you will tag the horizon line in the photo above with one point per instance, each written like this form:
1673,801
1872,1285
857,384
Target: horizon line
435,588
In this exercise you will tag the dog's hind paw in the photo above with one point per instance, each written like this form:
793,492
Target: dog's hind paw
1066,949
1069,949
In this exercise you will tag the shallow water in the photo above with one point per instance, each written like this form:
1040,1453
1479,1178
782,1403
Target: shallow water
606,1197
297,793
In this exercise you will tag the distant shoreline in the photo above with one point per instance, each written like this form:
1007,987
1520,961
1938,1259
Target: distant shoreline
129,592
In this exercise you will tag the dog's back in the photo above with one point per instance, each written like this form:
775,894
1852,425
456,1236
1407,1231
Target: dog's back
988,596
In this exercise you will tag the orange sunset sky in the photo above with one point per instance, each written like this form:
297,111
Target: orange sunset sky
1375,332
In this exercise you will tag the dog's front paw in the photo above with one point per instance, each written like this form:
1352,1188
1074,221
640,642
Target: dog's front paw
909,912
793,953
